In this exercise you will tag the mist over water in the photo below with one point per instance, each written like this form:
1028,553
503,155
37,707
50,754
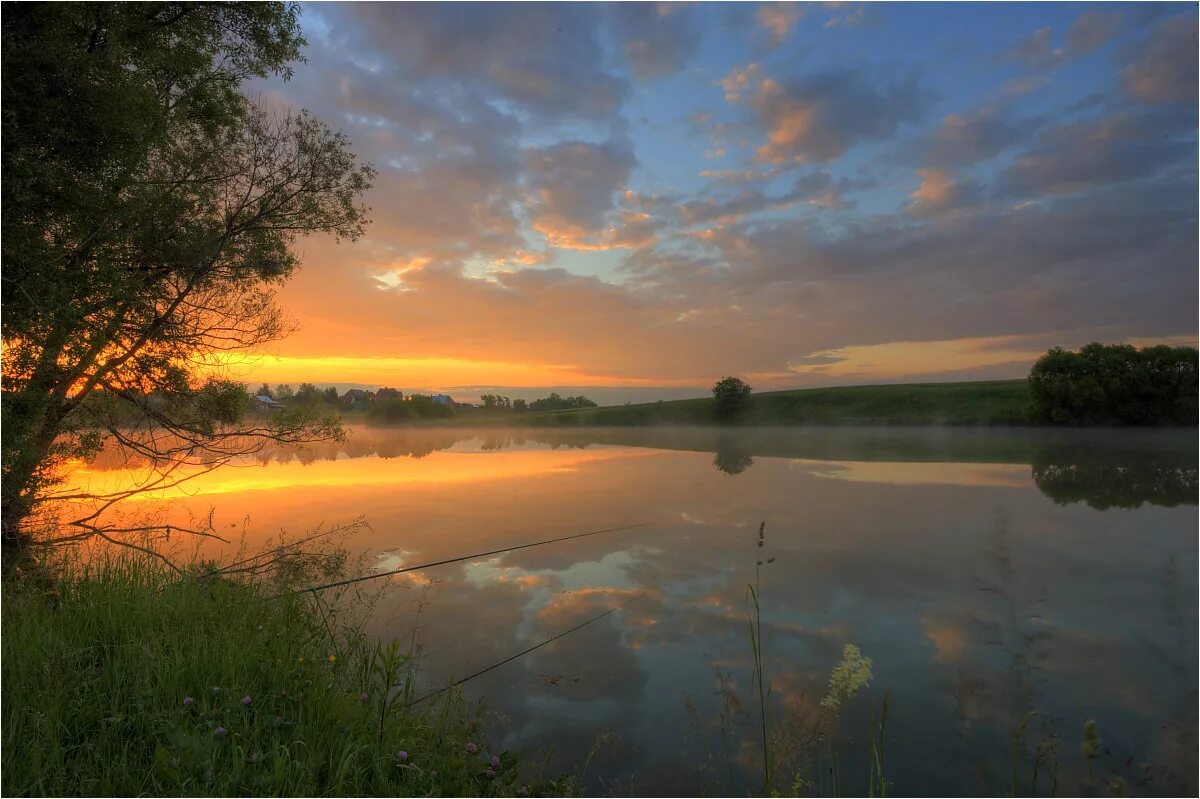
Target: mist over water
1000,580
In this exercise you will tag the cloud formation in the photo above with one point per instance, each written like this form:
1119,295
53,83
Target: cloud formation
817,118
778,19
657,38
573,186
641,196
1163,68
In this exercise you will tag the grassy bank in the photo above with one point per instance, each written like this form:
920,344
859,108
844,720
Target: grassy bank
127,680
992,402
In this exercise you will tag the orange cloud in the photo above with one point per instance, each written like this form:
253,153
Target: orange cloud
778,19
900,358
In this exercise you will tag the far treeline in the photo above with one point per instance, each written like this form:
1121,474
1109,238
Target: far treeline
1100,385
390,405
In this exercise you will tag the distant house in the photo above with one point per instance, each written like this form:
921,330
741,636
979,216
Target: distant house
388,394
442,399
265,404
357,396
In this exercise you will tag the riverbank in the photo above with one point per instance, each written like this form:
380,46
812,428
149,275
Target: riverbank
129,679
980,403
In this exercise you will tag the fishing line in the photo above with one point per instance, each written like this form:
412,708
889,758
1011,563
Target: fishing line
481,672
365,577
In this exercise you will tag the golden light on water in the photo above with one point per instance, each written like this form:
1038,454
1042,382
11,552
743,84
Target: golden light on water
1000,475
436,470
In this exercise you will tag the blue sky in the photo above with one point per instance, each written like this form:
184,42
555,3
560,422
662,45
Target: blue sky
644,197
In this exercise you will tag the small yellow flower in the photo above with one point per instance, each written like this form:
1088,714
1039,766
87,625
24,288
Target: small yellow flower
300,659
333,658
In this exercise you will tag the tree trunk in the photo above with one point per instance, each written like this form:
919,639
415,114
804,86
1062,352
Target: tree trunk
33,413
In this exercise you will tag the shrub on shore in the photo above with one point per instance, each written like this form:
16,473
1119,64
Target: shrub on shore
1115,384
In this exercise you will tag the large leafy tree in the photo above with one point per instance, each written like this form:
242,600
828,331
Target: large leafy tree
149,211
732,395
1116,384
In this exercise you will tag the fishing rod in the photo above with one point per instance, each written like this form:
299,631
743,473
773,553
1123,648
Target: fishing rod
510,659
461,558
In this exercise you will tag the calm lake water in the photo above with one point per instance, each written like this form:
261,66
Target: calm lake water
1008,586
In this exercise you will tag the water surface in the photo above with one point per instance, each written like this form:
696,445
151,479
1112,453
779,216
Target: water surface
1008,586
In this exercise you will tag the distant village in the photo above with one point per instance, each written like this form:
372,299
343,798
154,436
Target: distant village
391,404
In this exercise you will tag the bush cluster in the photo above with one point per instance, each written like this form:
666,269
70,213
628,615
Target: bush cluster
1115,384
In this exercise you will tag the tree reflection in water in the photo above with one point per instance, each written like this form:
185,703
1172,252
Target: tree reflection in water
1103,481
730,457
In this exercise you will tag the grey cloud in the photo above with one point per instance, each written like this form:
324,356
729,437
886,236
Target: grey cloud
573,186
545,59
1037,50
817,118
1091,30
821,189
1163,67
1122,258
657,38
1025,85
852,19
1122,146
818,187
747,201
448,159
972,136
440,97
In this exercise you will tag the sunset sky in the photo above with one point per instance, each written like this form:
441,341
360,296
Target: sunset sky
635,199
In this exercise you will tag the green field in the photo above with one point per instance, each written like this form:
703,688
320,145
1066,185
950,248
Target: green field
991,402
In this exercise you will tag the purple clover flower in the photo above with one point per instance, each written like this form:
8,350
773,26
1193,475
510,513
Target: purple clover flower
220,732
471,748
495,761
246,700
402,756
491,774
188,701
523,790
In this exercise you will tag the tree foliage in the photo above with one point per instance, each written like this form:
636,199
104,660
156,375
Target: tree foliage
413,408
732,395
150,211
554,402
495,402
1116,384
731,457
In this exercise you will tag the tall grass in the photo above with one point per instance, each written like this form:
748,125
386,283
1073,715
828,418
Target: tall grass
805,743
754,617
123,679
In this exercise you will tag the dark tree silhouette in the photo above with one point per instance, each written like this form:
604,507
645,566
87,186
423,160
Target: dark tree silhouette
733,397
149,211
1116,384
